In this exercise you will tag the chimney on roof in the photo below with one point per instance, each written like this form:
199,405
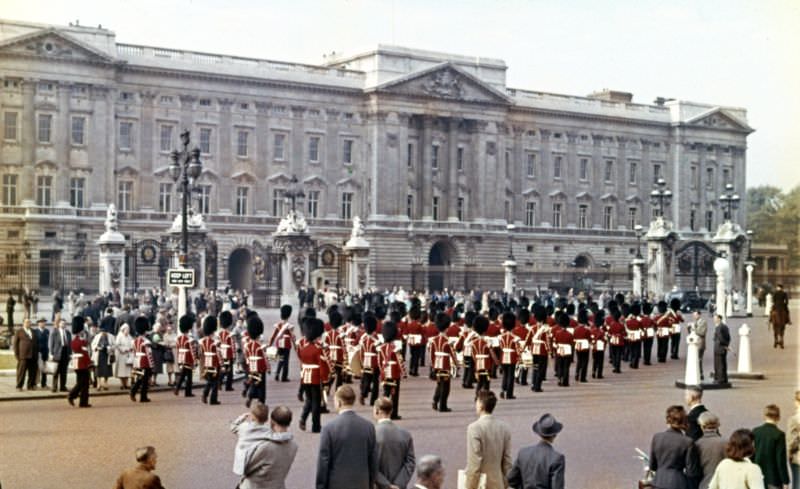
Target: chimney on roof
662,100
612,95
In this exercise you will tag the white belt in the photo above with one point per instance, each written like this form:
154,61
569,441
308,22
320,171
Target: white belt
442,354
508,350
310,365
138,354
481,356
183,350
369,354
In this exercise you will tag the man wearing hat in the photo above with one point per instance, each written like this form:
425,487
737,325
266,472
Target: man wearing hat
257,363
25,345
227,349
315,372
186,354
391,368
540,465
210,360
283,338
142,360
442,358
81,362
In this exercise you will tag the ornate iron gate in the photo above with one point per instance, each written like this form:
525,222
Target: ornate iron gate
266,275
146,264
695,266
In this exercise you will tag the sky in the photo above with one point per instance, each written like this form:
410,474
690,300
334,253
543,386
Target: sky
724,52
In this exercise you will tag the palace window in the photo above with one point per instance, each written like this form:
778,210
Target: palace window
726,176
460,159
633,217
10,126
632,172
410,156
557,215
435,156
165,139
508,163
277,202
656,172
410,206
77,186
460,208
608,217
205,199
205,140
125,135
242,148
347,205
44,128
608,176
583,211
165,197
313,203
78,131
709,178
531,165
507,211
313,149
9,189
583,169
241,201
279,147
347,151
44,190
709,220
692,219
125,195
435,208
530,213
557,161
695,177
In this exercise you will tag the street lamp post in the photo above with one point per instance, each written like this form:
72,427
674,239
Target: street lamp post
294,193
729,201
639,230
510,228
638,262
510,265
749,268
184,170
660,196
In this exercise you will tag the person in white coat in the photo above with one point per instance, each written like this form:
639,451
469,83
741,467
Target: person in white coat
103,356
124,349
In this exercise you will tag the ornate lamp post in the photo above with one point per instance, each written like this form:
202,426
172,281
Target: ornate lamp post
729,201
660,197
749,266
510,228
510,265
638,262
639,230
294,193
184,170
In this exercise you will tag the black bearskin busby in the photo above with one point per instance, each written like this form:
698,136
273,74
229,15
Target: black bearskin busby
389,331
141,325
77,324
255,327
185,323
225,319
209,325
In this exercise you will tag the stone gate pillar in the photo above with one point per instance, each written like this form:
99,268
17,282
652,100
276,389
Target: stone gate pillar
357,249
729,242
637,263
660,252
112,255
294,242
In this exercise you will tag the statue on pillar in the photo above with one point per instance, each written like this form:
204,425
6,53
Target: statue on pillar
112,224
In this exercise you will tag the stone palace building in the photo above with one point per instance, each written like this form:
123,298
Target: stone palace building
445,164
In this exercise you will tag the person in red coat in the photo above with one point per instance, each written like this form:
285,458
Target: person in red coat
649,330
583,341
563,343
227,349
539,344
370,371
634,333
415,337
315,372
676,321
391,367
283,338
81,362
210,360
520,332
509,354
142,360
185,345
598,344
257,363
483,354
616,337
442,358
337,351
663,332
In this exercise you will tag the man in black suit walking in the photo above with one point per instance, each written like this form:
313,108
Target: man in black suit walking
347,448
722,340
540,465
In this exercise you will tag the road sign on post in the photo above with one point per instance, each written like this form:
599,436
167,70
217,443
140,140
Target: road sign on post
180,277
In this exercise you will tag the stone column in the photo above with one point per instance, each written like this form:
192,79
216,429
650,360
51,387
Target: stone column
744,368
294,241
27,133
358,270
660,274
510,282
425,174
728,242
638,263
749,268
721,267
452,171
112,256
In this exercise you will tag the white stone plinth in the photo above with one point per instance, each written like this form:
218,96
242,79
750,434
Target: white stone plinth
638,263
721,267
510,282
744,368
692,376
749,269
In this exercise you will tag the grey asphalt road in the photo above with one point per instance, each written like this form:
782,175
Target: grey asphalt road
47,444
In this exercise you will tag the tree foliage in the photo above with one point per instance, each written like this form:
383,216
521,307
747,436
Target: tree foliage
774,217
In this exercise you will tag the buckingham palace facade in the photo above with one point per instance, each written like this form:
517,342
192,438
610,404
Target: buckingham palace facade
446,165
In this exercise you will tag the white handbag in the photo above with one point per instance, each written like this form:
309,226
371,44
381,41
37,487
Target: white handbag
462,480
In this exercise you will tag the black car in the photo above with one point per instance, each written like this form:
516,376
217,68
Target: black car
690,300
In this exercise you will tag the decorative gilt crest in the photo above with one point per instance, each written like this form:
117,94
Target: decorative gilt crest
445,84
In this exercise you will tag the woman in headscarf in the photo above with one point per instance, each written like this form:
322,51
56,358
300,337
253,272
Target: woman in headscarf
103,354
124,348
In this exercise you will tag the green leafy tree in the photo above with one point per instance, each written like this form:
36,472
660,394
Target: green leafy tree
774,216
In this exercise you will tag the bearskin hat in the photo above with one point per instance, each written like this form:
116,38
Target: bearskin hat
469,318
185,323
563,320
662,307
209,325
286,311
509,321
414,313
583,317
647,308
335,319
524,315
314,329
370,322
77,324
255,327
141,325
389,331
599,318
481,324
636,309
442,321
675,304
540,313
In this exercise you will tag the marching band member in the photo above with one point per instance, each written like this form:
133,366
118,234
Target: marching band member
633,329
185,346
676,321
616,337
663,332
257,363
315,371
430,331
539,344
485,358
583,339
210,360
81,362
598,335
509,355
415,337
142,360
283,338
464,346
227,349
648,326
562,341
337,353
442,358
492,335
368,345
391,367
520,332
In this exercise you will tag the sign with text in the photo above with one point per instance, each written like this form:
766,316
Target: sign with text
180,277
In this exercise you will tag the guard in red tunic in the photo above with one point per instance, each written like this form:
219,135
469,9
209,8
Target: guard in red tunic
430,330
649,328
675,333
315,372
81,363
227,349
616,339
483,354
464,346
185,345
283,338
520,333
415,338
368,349
539,344
257,364
210,360
583,341
337,352
563,343
442,359
634,333
509,355
391,365
599,342
142,360
663,332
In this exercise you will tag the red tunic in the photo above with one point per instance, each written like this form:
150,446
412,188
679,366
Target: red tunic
442,354
314,363
616,333
336,347
598,339
80,354
647,326
282,335
509,347
453,331
391,368
583,338
493,329
563,341
185,350
482,354
633,329
209,355
414,333
369,353
256,360
227,347
143,355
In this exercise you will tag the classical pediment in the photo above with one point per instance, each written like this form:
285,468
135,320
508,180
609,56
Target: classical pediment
54,44
444,81
719,118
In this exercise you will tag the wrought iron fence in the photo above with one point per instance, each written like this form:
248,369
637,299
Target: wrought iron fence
46,276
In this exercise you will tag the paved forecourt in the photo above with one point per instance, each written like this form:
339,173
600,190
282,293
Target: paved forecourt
604,421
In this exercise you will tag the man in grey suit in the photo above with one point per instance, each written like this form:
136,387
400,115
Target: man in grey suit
347,448
700,328
395,449
540,466
60,351
488,445
709,450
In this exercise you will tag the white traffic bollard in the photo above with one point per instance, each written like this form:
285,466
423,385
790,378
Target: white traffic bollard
692,360
744,368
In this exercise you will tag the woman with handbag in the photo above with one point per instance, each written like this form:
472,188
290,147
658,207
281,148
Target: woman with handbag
103,354
124,349
170,340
